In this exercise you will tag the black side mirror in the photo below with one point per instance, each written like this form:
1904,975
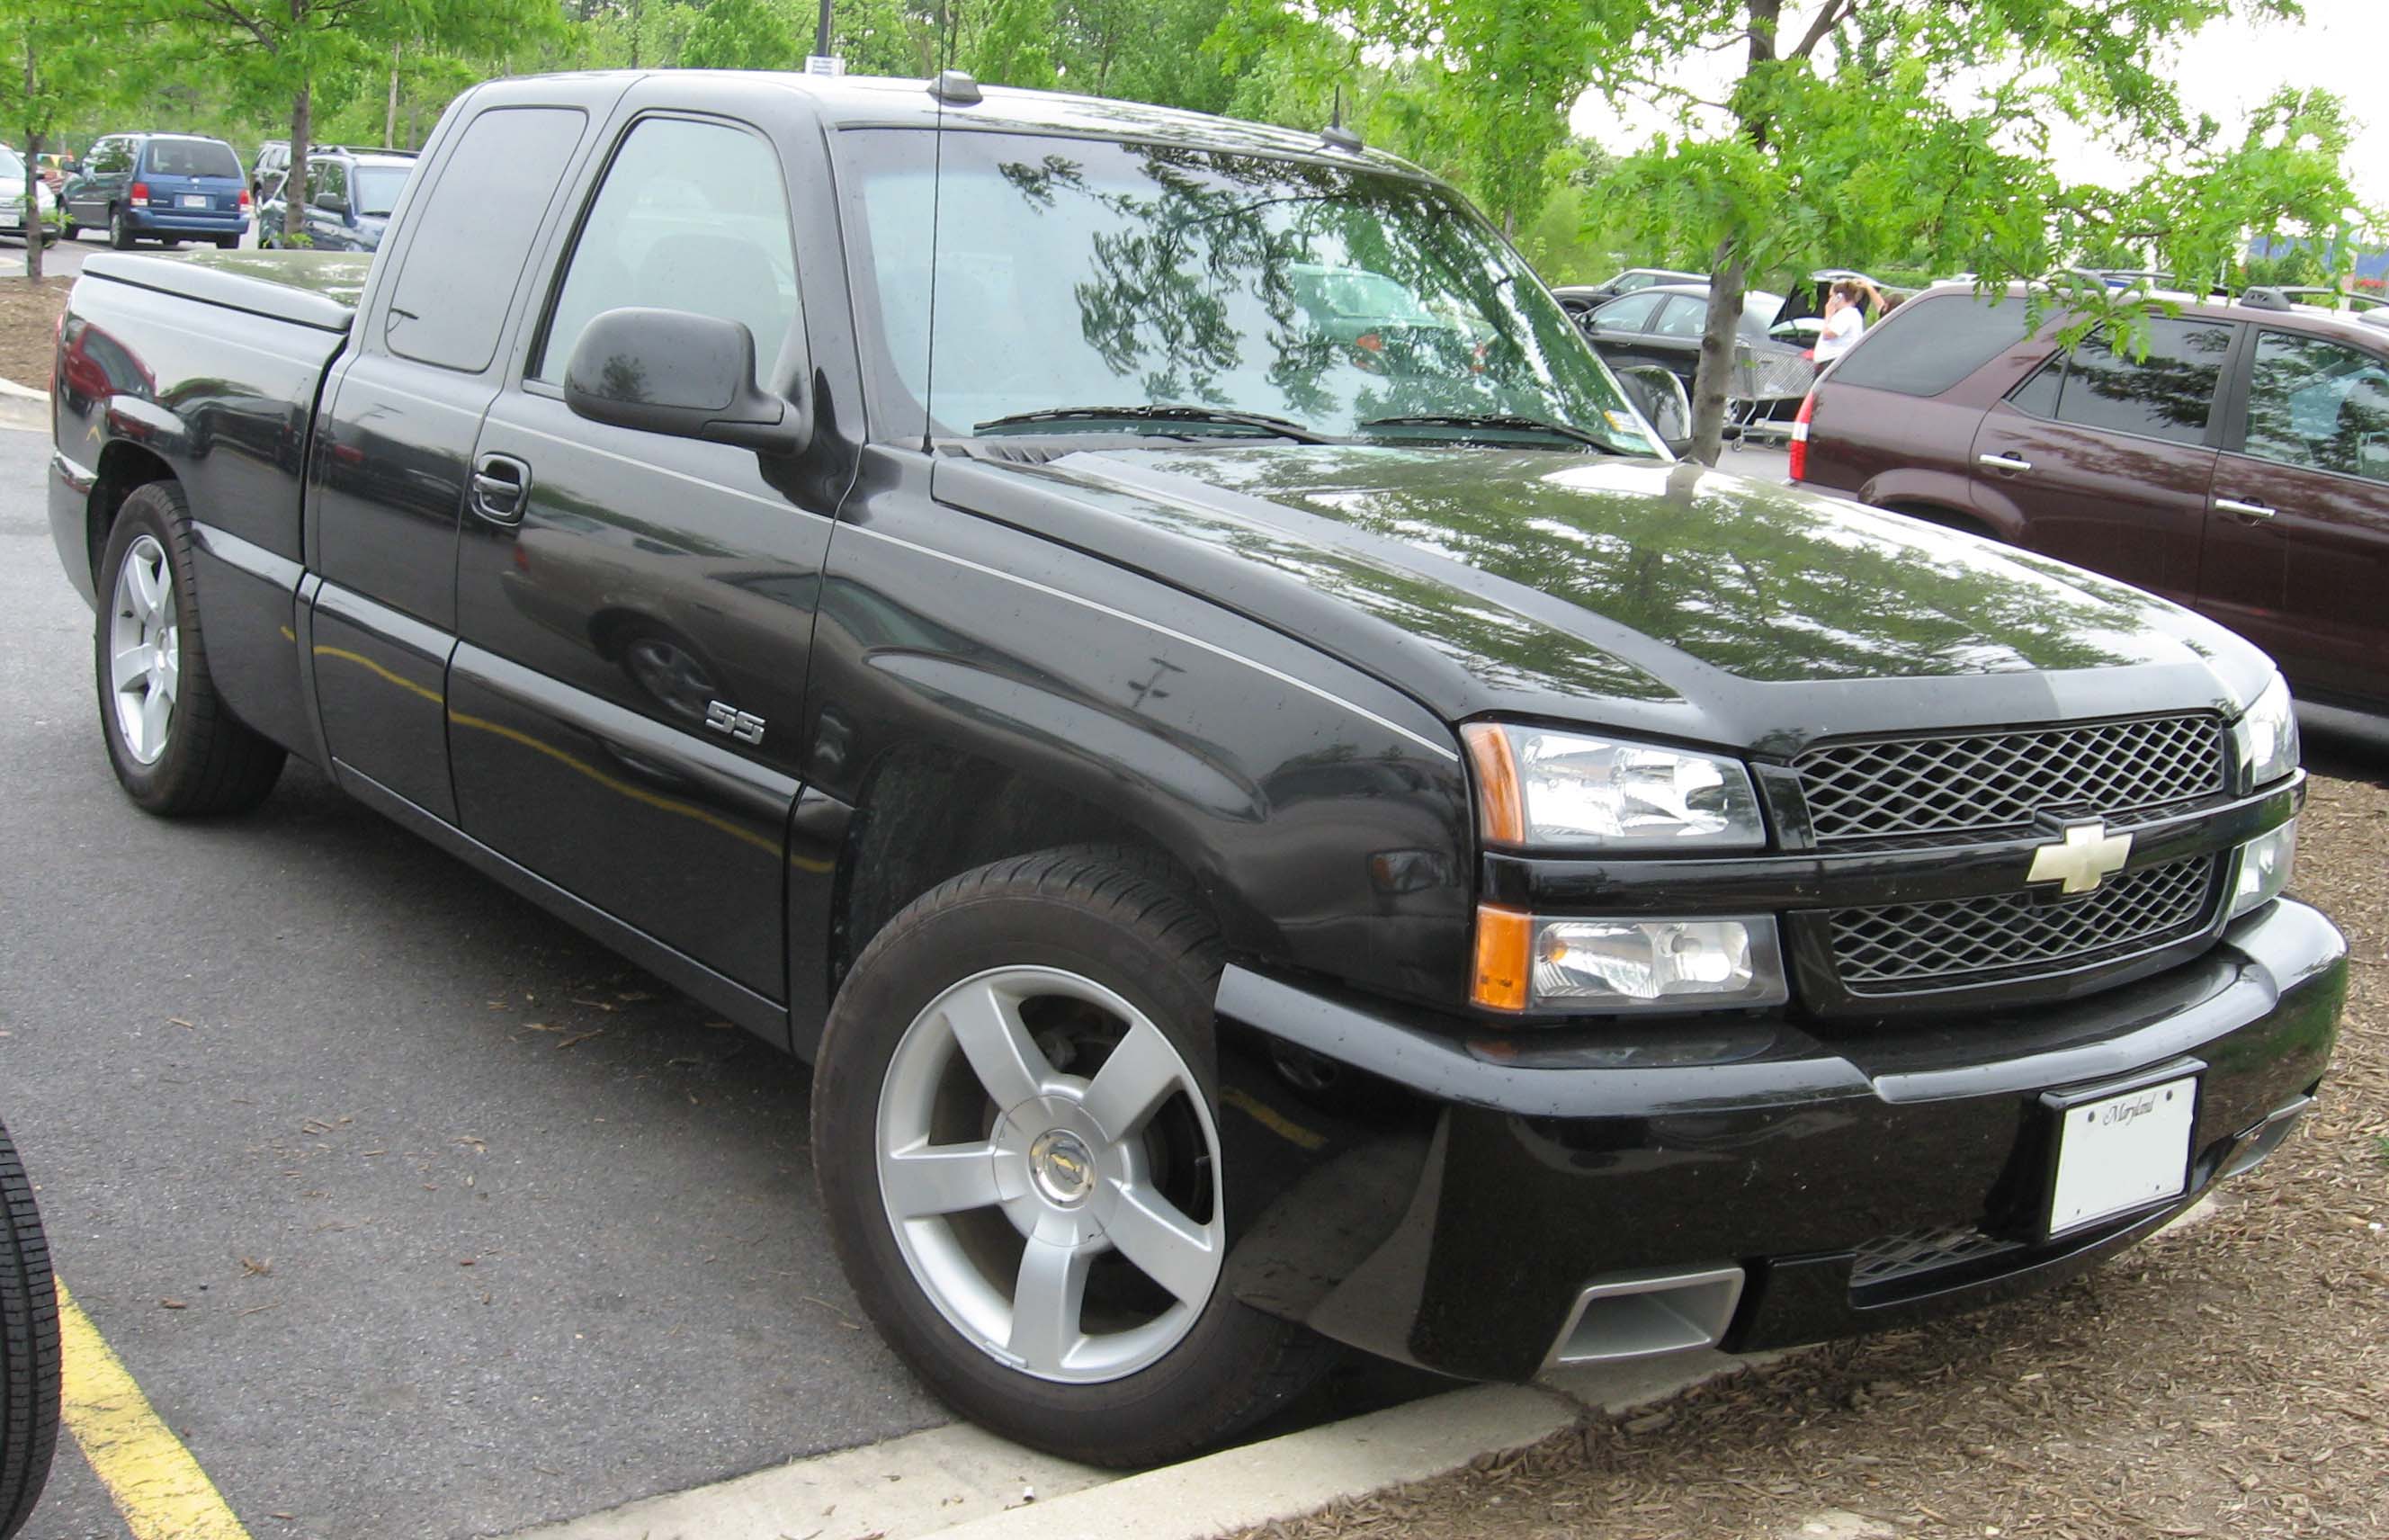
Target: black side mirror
669,371
332,204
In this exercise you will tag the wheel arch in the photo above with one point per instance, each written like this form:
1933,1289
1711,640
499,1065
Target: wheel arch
124,468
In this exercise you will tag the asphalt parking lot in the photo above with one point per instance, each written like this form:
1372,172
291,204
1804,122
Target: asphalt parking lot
414,1212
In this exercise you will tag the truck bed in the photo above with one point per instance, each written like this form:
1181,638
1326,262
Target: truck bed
308,289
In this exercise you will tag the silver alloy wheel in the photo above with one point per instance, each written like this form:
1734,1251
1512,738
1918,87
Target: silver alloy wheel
1082,1168
144,656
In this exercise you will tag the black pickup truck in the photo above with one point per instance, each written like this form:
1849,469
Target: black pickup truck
1147,648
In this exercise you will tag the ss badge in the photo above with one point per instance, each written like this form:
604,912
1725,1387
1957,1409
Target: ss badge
745,726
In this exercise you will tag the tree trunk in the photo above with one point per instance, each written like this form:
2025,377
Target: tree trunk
390,120
294,184
1729,276
33,214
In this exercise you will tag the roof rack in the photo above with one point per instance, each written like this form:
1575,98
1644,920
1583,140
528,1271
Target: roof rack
2266,298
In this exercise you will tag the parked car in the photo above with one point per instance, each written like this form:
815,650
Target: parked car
1257,845
350,195
1580,297
2240,468
167,187
1662,324
266,170
13,221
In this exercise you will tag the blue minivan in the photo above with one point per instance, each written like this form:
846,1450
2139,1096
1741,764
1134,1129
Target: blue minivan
168,188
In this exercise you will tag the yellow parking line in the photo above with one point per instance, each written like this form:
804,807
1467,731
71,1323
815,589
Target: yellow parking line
154,1481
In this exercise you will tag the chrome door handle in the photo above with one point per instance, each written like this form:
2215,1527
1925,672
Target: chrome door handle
2003,462
2245,510
501,487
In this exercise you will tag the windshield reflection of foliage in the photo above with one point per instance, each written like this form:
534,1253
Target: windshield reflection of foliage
1190,261
1768,584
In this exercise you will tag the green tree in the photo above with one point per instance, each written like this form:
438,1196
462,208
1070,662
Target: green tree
740,34
283,50
1851,131
55,70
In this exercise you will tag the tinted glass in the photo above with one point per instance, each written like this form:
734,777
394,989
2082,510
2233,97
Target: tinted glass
2039,394
1079,274
2168,394
1682,316
691,216
111,155
1936,342
191,157
1630,314
2319,404
458,274
376,187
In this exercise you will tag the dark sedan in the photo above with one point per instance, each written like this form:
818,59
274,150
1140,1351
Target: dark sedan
1578,298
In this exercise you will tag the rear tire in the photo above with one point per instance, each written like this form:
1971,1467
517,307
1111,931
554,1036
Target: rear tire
29,1347
175,747
1057,970
120,230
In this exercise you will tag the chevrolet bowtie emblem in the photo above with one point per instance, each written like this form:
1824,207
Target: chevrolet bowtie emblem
2087,856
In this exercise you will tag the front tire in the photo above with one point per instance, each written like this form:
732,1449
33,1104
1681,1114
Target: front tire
1014,1133
175,747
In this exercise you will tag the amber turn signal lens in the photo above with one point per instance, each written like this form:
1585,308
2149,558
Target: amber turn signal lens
1501,807
1502,938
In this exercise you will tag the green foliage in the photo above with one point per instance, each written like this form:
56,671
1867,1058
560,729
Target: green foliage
740,34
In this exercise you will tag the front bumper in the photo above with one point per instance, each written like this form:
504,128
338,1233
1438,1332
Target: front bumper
1454,1200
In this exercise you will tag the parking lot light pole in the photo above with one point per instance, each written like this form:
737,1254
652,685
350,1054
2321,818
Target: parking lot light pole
821,37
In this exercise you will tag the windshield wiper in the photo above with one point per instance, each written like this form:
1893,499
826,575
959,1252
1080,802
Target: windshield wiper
1283,427
1504,420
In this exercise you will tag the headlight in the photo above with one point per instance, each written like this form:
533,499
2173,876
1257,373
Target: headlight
2266,735
2264,865
1542,788
1523,963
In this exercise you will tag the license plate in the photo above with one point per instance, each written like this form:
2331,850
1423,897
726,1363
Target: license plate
2121,1152
193,200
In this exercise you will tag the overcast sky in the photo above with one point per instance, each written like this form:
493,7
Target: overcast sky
2342,46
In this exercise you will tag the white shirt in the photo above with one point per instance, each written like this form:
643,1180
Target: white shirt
1843,329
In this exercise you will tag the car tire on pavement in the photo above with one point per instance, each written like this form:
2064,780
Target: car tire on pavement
29,1347
175,747
1015,1134
120,231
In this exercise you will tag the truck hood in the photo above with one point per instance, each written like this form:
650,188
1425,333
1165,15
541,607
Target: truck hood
1643,593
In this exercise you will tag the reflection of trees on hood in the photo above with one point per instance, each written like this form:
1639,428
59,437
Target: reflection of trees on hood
1765,584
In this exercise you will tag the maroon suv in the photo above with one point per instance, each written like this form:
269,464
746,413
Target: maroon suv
2240,468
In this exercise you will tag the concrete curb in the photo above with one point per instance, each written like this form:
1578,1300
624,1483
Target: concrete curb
22,393
959,1484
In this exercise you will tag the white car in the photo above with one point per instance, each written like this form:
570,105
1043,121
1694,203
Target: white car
12,199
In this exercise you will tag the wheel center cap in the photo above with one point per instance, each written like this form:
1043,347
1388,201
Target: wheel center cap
1062,1166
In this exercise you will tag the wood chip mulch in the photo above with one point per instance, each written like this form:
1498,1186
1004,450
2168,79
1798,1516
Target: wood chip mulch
29,317
2226,1378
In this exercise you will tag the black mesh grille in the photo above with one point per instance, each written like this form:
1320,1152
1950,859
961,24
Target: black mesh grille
1937,785
1893,1257
1908,946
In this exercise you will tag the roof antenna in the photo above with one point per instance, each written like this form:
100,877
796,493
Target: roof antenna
1336,135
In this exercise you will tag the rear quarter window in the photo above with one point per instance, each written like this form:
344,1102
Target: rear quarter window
1930,344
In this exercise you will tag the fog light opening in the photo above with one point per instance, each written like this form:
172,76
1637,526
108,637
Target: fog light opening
2266,1138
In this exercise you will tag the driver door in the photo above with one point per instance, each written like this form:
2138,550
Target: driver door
636,610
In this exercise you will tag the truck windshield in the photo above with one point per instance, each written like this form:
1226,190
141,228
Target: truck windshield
1072,274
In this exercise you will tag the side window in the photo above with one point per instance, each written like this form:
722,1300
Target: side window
1630,314
327,178
2321,405
1682,316
2168,394
1936,342
457,274
111,156
690,216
